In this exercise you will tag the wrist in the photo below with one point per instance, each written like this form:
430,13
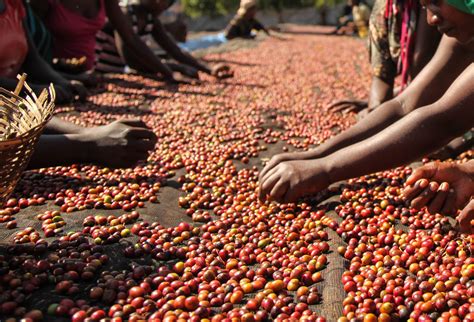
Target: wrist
330,167
333,169
205,69
313,154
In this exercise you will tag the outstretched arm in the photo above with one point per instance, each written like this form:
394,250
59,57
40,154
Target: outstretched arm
412,137
449,61
162,37
137,51
419,133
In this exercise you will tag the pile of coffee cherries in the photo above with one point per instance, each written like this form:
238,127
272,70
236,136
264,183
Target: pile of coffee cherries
93,255
424,273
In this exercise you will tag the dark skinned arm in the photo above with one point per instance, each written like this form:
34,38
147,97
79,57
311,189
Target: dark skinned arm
59,126
162,37
426,43
419,133
449,61
136,49
38,70
60,149
380,91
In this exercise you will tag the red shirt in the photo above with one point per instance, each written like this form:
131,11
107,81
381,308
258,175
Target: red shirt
74,35
13,41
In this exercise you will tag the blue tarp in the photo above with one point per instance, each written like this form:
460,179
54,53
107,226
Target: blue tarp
204,42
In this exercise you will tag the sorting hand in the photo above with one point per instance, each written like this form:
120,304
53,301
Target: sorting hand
79,90
63,94
222,71
279,158
442,187
121,143
347,106
289,181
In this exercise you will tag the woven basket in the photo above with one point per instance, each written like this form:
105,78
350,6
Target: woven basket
22,120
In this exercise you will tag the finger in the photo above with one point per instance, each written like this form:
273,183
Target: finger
449,208
269,166
345,109
423,199
140,133
427,171
270,174
143,146
133,123
466,217
337,104
340,107
438,201
279,191
267,185
291,196
81,91
225,75
350,109
63,96
413,191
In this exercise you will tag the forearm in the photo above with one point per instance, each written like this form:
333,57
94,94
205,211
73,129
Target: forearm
8,83
54,150
376,121
167,43
380,92
129,44
59,126
139,56
39,70
187,59
419,133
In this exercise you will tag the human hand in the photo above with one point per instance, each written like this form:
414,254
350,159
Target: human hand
177,79
466,218
70,65
79,90
279,158
120,143
290,180
423,187
222,71
64,94
187,71
347,106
